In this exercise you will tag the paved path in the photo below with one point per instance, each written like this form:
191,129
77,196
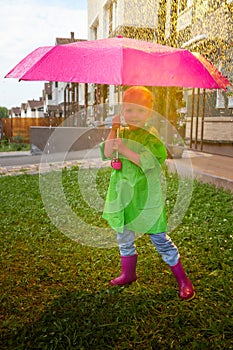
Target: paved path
206,167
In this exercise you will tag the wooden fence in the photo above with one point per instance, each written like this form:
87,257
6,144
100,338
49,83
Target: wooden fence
18,129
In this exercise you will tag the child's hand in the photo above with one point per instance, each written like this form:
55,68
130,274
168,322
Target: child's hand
119,146
116,122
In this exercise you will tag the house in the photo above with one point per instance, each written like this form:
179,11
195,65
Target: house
47,95
15,112
31,113
203,26
69,97
35,108
23,110
207,27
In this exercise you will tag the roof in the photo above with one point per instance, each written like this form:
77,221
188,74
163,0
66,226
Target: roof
63,41
15,110
35,103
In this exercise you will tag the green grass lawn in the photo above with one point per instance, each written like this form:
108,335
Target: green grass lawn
13,146
55,293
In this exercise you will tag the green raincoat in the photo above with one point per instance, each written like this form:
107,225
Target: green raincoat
134,198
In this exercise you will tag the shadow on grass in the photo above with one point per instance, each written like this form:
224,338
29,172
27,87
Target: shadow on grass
135,317
116,318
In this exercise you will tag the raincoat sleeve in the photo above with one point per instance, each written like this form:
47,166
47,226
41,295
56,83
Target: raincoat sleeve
102,152
153,154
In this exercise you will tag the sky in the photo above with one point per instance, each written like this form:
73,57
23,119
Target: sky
26,25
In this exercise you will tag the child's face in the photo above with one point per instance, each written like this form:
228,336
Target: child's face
135,115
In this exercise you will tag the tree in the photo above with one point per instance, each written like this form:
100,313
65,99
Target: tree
4,112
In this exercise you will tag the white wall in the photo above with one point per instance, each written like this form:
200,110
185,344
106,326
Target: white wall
125,13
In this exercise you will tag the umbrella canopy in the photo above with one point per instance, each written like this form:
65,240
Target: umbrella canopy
119,61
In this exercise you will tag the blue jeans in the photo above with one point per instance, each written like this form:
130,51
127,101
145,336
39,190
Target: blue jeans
162,242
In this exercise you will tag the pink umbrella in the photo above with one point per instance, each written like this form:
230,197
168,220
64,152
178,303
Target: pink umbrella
119,61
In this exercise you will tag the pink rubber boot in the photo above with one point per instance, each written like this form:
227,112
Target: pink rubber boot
185,285
128,271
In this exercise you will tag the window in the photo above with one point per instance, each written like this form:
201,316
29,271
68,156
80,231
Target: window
220,102
230,102
111,10
94,29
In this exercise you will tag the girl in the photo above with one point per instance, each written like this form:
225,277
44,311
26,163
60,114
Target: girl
134,201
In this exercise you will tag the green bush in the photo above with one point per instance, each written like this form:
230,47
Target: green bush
6,146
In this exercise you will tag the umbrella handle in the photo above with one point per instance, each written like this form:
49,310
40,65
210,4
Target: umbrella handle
116,163
117,136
